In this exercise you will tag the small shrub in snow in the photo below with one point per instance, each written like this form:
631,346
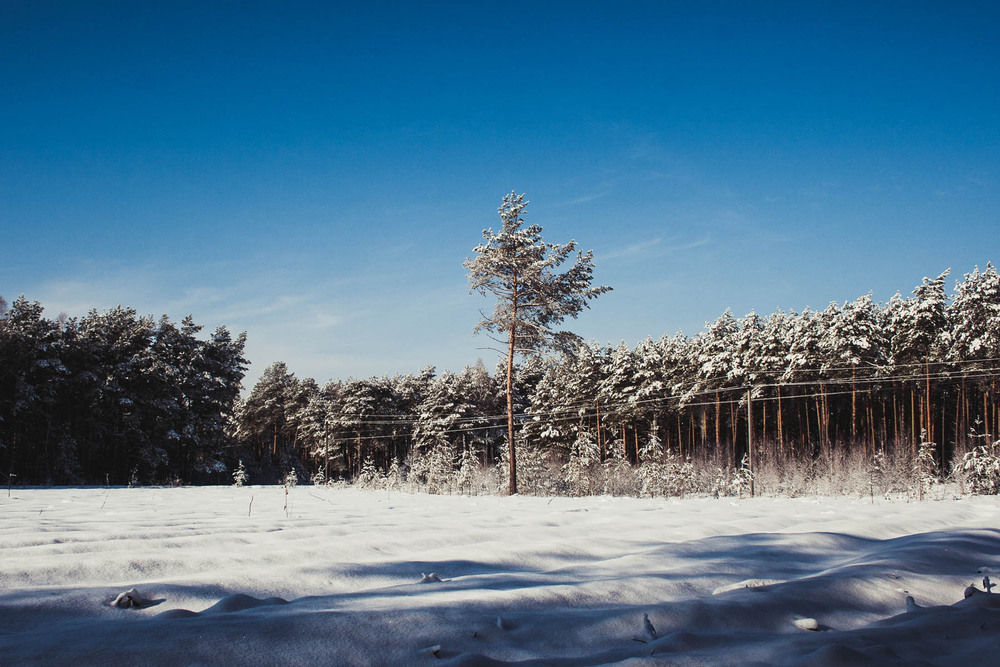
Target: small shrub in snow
743,480
318,478
440,468
730,482
876,474
291,479
536,476
396,476
370,476
468,473
580,472
619,479
240,475
670,476
982,469
925,467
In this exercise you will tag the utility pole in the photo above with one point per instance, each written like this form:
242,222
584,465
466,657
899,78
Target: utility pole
750,439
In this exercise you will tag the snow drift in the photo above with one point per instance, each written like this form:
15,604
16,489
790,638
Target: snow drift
229,575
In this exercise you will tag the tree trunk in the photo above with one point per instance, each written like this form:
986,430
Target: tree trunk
854,403
958,420
871,426
805,409
732,423
600,443
512,473
718,409
819,418
763,428
680,436
930,418
750,455
996,411
781,432
895,416
691,434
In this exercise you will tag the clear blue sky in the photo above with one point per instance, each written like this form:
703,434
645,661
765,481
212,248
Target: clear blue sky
315,174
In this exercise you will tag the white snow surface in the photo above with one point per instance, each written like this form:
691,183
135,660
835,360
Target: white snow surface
335,579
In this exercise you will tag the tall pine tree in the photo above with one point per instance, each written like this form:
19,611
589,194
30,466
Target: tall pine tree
518,269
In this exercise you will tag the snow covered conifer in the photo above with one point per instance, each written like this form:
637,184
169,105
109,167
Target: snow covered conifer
584,460
240,475
516,267
982,469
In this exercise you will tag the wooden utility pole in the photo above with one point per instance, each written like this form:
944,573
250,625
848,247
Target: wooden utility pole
600,447
930,418
750,439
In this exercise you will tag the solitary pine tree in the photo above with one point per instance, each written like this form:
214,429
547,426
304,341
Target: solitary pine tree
516,267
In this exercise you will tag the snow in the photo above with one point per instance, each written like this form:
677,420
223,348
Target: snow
230,575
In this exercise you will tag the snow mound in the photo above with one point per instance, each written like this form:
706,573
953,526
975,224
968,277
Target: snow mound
227,605
747,583
132,599
806,623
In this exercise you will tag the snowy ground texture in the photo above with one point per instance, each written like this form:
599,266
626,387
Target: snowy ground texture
228,575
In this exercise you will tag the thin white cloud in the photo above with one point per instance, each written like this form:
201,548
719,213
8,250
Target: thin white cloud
632,249
583,199
655,248
705,240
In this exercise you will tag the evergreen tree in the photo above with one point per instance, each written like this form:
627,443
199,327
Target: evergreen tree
974,344
31,375
618,392
265,417
918,325
975,316
112,396
519,270
854,344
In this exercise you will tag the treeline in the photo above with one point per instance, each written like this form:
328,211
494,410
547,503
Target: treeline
861,381
907,384
114,398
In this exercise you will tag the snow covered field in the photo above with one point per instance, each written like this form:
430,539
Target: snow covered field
230,575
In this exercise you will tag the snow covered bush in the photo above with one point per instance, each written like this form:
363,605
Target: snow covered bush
396,476
440,474
240,475
470,475
733,482
370,476
536,476
877,473
669,476
982,469
581,471
925,467
291,479
619,478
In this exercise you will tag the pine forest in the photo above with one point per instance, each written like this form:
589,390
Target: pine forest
857,397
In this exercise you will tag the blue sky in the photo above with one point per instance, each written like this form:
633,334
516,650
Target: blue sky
315,174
